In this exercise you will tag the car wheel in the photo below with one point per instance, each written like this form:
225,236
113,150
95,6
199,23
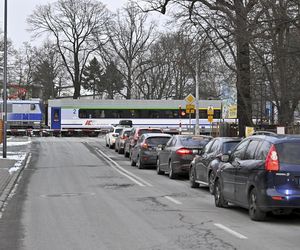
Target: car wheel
171,171
219,199
116,148
132,162
255,212
139,163
126,154
193,183
120,151
106,144
158,171
211,181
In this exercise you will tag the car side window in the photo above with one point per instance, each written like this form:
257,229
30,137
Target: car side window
169,143
140,140
251,149
208,147
215,147
240,150
263,150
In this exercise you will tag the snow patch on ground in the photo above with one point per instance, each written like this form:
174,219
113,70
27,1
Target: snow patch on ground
11,143
20,158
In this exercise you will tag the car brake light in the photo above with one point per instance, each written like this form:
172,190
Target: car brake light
144,145
184,151
272,163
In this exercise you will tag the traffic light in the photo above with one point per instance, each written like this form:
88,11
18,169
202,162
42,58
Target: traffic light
180,111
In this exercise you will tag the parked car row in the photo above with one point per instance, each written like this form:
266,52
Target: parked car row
260,173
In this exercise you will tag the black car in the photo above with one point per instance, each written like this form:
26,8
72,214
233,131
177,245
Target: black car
204,166
261,174
144,152
175,158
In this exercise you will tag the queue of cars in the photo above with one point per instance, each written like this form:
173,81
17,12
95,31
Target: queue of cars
260,173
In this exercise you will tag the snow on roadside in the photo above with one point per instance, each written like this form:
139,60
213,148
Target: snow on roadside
15,143
20,157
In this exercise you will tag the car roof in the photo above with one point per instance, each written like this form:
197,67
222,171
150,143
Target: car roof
203,136
228,139
275,139
147,135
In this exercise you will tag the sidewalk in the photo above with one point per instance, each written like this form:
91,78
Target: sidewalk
10,168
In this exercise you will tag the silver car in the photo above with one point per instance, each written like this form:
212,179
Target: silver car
144,152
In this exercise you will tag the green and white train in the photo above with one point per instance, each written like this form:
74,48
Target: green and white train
84,114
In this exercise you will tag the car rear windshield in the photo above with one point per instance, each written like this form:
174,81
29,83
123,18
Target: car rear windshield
155,141
193,141
118,130
144,131
289,152
228,146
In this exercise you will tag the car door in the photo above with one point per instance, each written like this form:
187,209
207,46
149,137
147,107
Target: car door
228,170
201,166
164,154
244,171
136,148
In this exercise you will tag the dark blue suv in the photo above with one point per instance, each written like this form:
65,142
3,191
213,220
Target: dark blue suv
262,174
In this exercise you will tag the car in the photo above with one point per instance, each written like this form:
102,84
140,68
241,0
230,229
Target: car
262,174
110,137
120,140
134,136
204,166
175,158
144,152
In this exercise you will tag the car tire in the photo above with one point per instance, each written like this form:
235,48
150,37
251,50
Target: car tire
211,181
255,212
116,149
219,199
139,164
172,175
158,171
120,151
126,154
132,162
192,177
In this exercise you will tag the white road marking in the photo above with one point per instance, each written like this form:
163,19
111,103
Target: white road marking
28,160
138,180
228,230
173,200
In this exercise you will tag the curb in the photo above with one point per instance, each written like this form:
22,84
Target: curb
11,183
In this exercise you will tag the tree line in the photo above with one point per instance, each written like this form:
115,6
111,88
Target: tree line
246,50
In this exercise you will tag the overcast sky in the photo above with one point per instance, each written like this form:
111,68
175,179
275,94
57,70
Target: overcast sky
18,11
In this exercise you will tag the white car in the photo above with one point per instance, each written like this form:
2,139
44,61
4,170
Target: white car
111,136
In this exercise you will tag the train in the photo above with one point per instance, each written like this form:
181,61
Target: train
99,115
24,114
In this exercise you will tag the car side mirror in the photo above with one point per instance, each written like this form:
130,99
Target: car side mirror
224,158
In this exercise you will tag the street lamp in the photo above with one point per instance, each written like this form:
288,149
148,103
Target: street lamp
5,82
197,130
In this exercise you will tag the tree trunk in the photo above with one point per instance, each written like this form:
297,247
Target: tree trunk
77,80
244,101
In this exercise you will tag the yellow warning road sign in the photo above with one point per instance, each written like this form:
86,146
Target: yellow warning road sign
210,118
190,108
190,98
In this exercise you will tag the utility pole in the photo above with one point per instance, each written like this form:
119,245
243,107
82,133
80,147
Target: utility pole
5,82
197,130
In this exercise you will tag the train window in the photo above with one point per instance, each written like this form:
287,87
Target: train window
56,115
32,106
137,113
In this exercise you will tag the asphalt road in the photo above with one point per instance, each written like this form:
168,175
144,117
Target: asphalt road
77,194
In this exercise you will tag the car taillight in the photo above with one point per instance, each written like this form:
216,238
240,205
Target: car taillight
144,145
272,163
184,151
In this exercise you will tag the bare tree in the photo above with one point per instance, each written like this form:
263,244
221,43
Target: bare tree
277,52
238,19
130,38
73,24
